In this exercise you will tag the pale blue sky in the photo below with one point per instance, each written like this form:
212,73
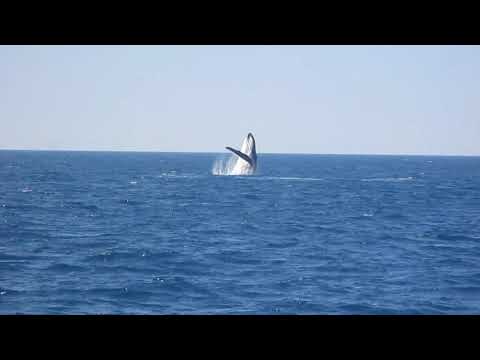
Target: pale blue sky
295,99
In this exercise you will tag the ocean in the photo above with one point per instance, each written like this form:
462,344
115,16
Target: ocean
160,233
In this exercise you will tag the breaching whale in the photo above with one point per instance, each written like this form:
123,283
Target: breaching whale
246,163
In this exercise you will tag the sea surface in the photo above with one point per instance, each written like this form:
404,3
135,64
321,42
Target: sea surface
159,233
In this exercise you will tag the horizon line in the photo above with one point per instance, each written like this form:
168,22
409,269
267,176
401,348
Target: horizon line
218,152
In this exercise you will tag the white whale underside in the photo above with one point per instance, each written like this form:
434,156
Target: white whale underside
242,167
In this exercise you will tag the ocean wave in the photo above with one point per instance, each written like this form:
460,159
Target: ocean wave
390,179
288,178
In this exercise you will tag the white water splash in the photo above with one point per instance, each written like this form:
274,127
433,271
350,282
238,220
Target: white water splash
227,166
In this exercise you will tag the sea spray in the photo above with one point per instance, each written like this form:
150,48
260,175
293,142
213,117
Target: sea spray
224,165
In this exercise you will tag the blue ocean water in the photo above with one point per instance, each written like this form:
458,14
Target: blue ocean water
158,233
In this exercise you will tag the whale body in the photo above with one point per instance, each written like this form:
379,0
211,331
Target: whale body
246,163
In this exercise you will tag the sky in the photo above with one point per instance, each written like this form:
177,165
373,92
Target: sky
294,99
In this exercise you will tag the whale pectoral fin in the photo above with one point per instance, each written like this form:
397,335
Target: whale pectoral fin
240,154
